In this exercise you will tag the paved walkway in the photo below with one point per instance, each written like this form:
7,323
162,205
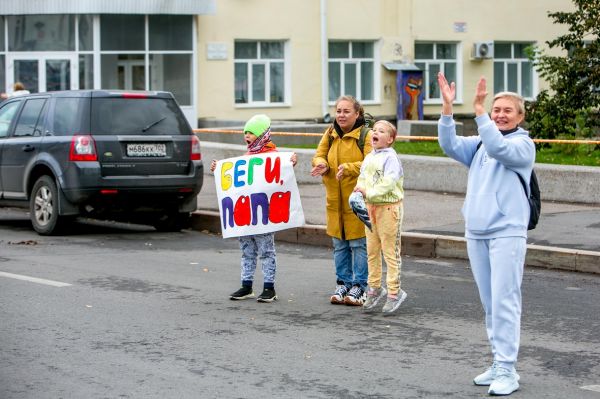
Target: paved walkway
563,225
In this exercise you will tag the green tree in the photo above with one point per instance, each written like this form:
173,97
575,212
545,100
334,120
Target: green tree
570,108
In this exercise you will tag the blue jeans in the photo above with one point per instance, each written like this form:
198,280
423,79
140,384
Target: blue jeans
350,257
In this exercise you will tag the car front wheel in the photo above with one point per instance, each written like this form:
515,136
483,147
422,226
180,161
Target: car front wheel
43,207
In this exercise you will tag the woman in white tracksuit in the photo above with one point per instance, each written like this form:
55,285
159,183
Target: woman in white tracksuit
496,213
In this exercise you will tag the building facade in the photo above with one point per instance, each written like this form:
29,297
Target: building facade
229,59
291,59
108,44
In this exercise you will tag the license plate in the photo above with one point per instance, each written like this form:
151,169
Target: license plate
146,150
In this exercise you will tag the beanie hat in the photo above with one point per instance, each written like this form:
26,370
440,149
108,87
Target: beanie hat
258,125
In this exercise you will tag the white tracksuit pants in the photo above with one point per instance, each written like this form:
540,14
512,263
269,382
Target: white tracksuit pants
497,266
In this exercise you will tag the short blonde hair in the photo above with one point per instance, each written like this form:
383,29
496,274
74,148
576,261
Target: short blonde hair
391,129
517,99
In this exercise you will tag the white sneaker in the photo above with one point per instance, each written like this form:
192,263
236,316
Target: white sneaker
487,376
505,383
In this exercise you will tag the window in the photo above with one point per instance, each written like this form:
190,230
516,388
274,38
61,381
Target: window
6,116
513,71
1,33
2,73
41,32
171,72
170,32
122,32
70,115
132,60
150,116
28,123
86,33
260,71
352,70
432,58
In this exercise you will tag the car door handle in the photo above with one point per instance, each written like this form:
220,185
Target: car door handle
28,148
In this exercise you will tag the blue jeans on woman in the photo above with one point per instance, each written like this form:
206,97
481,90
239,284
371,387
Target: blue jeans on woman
350,257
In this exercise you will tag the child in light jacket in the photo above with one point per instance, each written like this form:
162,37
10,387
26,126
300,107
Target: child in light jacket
380,183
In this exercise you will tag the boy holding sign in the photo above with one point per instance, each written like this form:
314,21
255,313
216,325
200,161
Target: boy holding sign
257,134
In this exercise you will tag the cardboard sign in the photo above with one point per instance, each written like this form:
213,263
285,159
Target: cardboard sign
257,194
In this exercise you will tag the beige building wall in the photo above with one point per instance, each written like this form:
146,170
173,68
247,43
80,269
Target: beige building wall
510,21
394,25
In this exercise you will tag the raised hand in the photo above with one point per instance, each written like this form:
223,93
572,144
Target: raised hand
480,94
448,92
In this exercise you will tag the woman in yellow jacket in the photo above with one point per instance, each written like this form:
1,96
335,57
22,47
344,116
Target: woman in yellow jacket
338,159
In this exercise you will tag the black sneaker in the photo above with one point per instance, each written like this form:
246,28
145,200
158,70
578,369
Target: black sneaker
242,293
356,296
268,295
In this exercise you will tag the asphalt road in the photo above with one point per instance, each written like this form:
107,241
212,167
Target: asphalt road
147,315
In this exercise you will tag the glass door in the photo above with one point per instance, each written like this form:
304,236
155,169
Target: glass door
131,75
43,72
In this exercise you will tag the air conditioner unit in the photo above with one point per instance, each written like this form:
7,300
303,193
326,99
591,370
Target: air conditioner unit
483,50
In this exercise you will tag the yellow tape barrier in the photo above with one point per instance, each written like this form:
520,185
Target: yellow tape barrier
398,138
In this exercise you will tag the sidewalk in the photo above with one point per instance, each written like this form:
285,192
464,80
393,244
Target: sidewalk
564,228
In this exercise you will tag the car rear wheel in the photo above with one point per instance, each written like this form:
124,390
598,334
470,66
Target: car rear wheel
172,221
43,207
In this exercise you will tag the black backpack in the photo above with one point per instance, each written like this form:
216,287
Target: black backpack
534,198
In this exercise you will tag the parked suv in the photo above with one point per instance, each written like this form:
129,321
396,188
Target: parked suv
105,154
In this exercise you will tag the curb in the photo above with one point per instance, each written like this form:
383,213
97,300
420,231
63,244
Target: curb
426,245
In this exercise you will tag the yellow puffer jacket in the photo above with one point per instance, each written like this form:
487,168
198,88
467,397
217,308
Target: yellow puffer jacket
341,222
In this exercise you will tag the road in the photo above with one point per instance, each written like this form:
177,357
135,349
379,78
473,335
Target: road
147,315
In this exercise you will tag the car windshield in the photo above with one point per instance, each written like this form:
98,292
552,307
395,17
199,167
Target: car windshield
147,116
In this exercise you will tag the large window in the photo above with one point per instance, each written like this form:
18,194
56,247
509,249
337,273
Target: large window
160,60
352,70
99,51
432,58
41,32
260,71
513,71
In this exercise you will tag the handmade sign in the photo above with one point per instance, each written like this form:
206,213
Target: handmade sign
257,194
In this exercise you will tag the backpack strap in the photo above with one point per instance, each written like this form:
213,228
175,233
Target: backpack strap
361,138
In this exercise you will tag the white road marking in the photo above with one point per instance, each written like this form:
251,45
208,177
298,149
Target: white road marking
34,279
594,388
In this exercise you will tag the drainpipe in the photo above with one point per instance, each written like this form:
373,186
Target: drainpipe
324,64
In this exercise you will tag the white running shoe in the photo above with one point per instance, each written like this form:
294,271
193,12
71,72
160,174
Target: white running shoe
505,383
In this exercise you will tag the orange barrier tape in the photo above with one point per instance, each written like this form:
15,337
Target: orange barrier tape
398,138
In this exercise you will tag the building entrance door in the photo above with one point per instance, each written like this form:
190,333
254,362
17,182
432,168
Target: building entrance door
43,72
131,75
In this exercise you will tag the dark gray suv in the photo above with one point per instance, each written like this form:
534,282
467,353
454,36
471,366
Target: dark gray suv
118,155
